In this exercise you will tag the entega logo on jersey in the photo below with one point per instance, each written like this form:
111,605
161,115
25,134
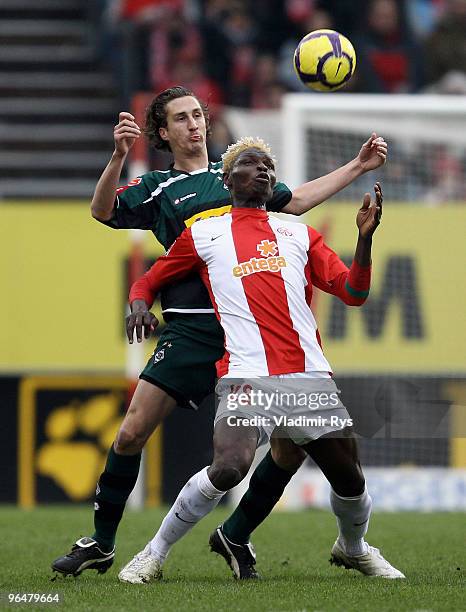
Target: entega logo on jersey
271,264
268,262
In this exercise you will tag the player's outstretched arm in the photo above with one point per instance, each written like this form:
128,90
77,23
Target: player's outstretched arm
372,155
125,134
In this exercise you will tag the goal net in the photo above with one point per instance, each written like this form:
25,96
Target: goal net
427,136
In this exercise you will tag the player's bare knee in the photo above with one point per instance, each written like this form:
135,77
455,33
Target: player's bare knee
225,477
228,471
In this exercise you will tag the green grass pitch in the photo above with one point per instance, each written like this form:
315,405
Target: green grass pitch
293,551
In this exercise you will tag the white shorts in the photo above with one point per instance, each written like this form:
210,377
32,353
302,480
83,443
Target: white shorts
300,406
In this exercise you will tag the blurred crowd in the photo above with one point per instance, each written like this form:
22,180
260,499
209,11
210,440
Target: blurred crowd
239,52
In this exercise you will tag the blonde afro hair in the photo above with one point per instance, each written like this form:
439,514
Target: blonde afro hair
249,142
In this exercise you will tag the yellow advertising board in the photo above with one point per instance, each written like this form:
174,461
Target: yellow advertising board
414,319
64,286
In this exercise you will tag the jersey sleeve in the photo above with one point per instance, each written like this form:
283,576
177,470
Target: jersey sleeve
280,198
135,207
331,275
181,259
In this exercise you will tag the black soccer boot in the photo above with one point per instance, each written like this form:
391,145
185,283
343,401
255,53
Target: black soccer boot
85,554
241,558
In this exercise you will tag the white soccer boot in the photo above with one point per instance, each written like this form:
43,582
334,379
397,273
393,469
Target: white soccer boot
370,563
142,568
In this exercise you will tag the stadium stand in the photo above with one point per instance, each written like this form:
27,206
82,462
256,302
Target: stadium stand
56,100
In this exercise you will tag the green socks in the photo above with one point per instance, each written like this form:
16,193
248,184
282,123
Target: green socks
119,477
265,489
113,489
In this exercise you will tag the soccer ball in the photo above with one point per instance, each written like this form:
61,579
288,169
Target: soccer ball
324,60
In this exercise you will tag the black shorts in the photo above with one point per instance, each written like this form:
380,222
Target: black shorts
183,362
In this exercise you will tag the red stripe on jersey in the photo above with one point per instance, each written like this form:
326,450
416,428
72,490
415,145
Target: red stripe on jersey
250,227
223,365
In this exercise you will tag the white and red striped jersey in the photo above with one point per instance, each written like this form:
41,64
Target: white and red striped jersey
259,271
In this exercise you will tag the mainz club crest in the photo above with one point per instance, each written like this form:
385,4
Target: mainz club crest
284,231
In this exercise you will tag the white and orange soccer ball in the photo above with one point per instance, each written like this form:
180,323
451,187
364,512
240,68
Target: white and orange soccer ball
324,60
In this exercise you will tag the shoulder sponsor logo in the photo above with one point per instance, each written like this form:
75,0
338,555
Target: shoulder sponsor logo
284,231
186,197
271,264
132,183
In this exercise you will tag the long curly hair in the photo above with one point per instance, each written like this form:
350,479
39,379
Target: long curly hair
156,115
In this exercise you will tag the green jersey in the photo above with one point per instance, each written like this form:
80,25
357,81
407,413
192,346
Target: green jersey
167,202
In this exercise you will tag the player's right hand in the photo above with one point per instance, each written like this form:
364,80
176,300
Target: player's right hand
370,213
125,133
139,321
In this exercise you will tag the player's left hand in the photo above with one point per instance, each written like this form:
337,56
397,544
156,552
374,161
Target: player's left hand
141,321
373,153
370,213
